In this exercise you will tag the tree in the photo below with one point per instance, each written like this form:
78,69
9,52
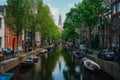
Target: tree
17,15
70,24
45,23
86,14
91,12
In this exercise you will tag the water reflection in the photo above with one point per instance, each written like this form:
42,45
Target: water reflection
60,62
57,65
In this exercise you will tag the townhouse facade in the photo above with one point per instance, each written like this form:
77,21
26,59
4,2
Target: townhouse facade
8,38
115,23
1,31
109,36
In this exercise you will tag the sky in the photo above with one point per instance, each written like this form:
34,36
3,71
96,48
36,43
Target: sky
62,7
57,7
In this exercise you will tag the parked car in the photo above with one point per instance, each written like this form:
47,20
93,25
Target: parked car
107,54
82,47
87,50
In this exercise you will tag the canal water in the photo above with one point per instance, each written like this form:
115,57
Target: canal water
56,65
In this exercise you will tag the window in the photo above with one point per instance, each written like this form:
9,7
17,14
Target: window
114,9
109,16
118,7
0,22
0,42
114,23
8,36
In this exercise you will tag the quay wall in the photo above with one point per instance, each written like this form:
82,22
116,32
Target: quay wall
111,68
11,63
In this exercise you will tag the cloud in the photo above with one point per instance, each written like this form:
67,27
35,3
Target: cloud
71,5
54,11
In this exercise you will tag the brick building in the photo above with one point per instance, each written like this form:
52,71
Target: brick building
8,39
115,7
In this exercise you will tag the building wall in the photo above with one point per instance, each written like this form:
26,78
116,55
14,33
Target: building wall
37,39
2,31
115,7
11,40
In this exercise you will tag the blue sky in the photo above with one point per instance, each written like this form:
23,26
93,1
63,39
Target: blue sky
2,2
60,7
56,6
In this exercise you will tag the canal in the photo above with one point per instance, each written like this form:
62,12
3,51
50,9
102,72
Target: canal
57,65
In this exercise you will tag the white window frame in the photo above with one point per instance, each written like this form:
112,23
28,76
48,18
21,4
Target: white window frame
114,9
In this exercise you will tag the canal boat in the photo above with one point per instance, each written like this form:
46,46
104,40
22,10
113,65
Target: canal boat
48,48
44,51
52,46
24,70
83,60
27,63
91,66
35,59
6,76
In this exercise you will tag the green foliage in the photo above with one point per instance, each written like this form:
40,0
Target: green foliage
91,11
69,33
17,14
45,23
85,15
26,14
72,22
72,19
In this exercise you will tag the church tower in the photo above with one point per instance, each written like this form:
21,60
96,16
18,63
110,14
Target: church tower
60,20
60,25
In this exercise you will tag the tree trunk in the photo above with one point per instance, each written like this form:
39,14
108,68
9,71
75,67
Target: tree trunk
90,37
17,35
42,41
25,40
33,37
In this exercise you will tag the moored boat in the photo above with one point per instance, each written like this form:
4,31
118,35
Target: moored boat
83,59
44,51
35,59
6,76
91,66
27,63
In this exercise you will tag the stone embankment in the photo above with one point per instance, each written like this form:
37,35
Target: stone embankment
11,63
112,68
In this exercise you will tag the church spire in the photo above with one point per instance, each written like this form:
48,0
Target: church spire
60,25
60,20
